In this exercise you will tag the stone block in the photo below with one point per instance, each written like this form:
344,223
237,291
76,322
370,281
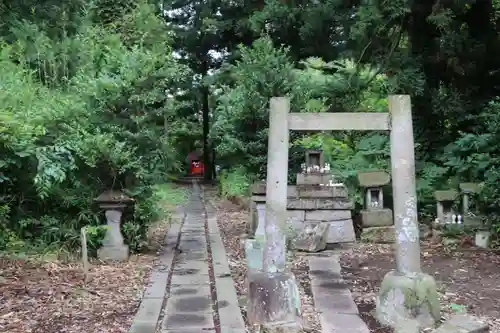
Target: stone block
340,322
404,297
304,191
341,232
313,179
377,217
482,239
473,221
447,195
312,191
147,316
312,238
113,253
259,198
272,298
308,203
470,188
334,204
254,252
302,204
327,215
462,323
373,179
379,234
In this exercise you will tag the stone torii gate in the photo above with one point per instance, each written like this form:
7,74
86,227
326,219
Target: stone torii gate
406,293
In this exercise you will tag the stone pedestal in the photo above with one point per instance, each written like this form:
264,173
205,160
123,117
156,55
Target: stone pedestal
309,204
113,247
275,300
380,217
410,296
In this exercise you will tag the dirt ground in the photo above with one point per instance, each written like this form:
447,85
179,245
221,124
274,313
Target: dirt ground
467,279
40,295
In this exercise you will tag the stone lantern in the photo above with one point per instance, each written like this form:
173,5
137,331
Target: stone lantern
113,247
374,214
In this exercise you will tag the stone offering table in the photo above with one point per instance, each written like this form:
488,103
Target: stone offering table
113,247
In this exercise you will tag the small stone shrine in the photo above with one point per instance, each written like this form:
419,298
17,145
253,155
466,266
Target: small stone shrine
467,190
377,221
113,203
444,205
315,199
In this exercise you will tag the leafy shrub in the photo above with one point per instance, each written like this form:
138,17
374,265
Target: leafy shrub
80,114
234,183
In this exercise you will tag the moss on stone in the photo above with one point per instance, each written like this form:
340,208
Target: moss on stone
404,297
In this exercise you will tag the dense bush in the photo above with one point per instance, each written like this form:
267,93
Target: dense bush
81,114
240,128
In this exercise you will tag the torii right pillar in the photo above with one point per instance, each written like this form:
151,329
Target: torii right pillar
406,294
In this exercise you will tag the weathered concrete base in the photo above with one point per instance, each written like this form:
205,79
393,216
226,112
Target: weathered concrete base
273,299
408,297
379,235
113,253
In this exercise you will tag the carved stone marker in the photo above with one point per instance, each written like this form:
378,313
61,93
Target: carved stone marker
113,247
444,205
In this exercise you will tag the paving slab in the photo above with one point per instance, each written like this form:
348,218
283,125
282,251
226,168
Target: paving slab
146,318
189,304
186,303
188,321
332,298
183,280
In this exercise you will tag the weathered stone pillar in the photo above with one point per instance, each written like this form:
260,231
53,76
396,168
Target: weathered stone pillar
274,301
405,293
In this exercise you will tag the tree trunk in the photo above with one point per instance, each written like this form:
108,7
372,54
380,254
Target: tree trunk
206,130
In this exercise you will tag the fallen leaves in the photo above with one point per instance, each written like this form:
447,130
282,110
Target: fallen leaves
466,280
51,297
39,296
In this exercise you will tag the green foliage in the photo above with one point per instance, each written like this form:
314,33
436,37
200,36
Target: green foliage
81,114
234,183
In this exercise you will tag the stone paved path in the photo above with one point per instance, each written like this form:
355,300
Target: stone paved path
191,289
332,298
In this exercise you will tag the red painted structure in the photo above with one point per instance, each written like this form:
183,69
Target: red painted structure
196,166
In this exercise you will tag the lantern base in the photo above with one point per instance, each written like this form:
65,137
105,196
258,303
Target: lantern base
404,297
113,253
